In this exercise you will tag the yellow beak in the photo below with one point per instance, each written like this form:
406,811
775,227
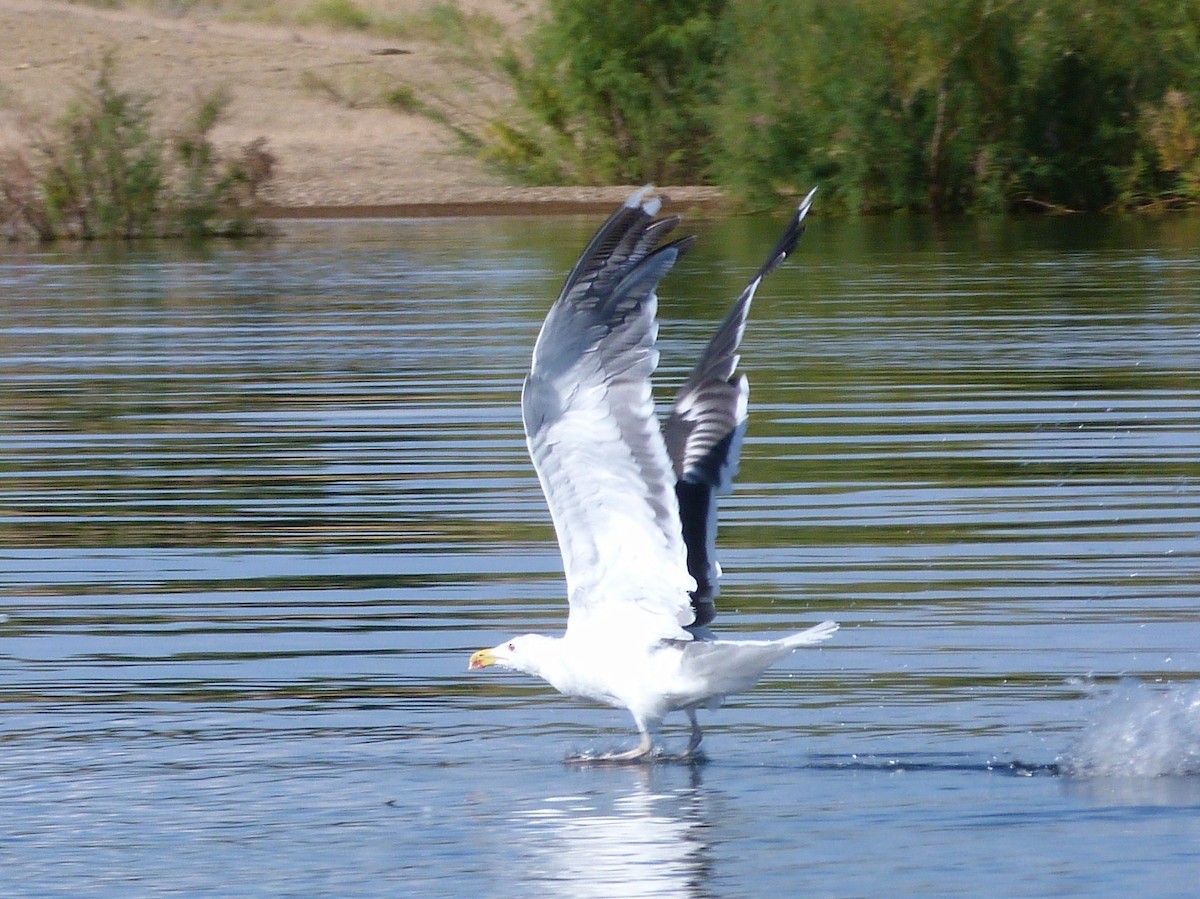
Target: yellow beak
482,659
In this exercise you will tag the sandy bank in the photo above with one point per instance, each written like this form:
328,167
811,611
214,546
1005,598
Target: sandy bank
315,94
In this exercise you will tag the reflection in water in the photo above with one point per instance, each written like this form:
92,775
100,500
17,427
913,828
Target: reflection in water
644,842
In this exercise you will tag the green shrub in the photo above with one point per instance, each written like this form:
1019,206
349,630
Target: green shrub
215,194
617,90
101,172
104,171
954,104
888,104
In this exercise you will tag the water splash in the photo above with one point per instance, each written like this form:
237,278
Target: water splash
1140,731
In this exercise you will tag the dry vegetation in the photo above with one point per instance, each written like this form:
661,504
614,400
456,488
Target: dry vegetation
362,102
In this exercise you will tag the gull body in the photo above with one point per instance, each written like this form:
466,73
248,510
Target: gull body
633,503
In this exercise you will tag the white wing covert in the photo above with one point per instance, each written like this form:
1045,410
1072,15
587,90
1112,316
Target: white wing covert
594,438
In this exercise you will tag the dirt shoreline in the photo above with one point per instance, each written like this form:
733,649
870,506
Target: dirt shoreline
318,95
516,201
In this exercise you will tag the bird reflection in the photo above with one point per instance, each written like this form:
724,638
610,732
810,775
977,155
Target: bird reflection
647,840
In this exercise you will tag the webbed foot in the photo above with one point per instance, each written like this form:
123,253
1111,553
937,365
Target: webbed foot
643,752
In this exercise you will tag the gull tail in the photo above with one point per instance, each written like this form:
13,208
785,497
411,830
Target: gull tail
815,634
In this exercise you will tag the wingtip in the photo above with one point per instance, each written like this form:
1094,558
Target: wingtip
796,229
646,199
805,204
787,243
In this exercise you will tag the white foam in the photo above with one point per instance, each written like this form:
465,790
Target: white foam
1140,731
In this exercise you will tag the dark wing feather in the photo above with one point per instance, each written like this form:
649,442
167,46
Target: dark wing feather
704,431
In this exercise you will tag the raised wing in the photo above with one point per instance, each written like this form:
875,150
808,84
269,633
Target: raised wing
704,431
594,439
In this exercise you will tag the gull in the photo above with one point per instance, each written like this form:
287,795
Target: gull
634,504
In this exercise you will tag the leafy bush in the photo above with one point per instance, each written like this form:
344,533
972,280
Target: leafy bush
101,172
214,194
617,90
888,104
955,104
1172,131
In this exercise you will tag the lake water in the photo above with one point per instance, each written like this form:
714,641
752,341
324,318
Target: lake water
258,504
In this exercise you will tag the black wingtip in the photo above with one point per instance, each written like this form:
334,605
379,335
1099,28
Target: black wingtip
787,243
684,244
631,220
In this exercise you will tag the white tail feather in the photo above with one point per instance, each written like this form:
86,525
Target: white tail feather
814,634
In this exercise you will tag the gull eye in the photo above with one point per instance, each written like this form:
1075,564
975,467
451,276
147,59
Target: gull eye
512,647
